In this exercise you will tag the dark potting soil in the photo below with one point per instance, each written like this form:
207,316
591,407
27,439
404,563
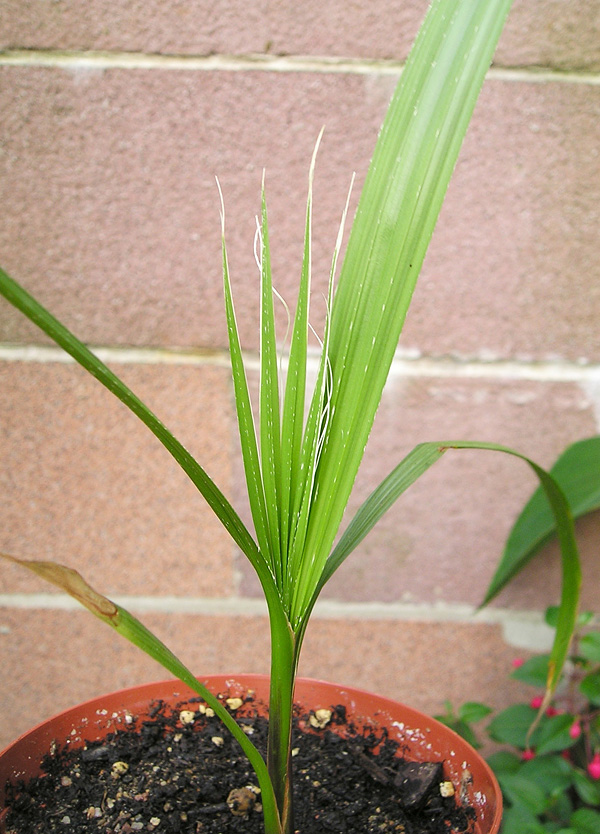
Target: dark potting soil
167,776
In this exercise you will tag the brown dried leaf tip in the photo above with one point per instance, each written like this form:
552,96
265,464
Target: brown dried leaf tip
70,581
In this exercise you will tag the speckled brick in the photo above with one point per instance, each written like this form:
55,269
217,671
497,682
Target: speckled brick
111,209
442,539
111,216
512,269
538,32
86,484
417,663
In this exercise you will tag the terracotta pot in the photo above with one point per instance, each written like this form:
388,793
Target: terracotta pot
423,738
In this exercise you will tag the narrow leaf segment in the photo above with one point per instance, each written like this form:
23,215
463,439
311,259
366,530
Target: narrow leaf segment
399,205
411,468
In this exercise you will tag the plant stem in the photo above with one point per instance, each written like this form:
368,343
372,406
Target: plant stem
281,701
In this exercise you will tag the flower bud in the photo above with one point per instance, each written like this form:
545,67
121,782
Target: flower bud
593,768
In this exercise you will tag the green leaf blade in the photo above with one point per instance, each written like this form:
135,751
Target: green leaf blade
552,773
292,422
245,419
511,726
589,646
416,463
269,416
402,196
473,711
590,688
585,821
587,789
534,671
552,735
407,472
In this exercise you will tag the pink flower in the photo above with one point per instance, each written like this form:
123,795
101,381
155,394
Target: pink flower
517,661
552,711
529,754
593,768
575,729
536,702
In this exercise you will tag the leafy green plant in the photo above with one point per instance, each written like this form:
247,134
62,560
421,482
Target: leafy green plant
550,778
300,470
577,472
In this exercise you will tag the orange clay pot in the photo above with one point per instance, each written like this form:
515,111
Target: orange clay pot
422,738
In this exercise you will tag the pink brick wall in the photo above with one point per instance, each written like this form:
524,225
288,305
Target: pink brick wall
114,122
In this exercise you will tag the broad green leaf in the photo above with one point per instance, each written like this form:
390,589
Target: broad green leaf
587,789
461,728
552,734
132,629
511,726
589,646
560,809
534,671
521,820
514,726
585,618
524,793
577,472
551,615
590,688
503,761
585,821
552,773
473,711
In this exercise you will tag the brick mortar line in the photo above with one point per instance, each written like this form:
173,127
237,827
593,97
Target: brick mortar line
403,365
117,355
99,59
520,629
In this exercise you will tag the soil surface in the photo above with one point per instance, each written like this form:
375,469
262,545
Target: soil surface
180,772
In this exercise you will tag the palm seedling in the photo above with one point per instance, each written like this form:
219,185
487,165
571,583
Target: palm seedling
302,454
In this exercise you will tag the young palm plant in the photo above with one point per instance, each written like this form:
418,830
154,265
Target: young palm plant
302,456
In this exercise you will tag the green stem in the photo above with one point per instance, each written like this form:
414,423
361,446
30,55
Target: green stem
281,703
